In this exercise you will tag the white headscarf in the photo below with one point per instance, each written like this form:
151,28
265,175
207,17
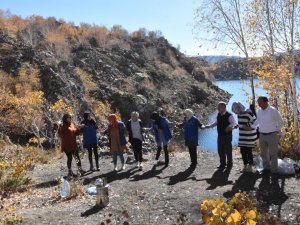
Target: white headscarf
188,113
238,107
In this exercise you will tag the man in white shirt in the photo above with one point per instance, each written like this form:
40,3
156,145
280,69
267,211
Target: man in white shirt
225,124
270,124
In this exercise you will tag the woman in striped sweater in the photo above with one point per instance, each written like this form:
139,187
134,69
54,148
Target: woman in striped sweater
247,138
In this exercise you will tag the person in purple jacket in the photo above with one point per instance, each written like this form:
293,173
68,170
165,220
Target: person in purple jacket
90,141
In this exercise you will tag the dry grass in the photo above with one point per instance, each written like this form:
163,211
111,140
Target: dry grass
15,161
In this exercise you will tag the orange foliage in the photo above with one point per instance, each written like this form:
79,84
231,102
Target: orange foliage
118,31
69,30
28,79
60,43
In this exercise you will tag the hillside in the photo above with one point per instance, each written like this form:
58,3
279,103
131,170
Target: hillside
236,68
212,59
88,65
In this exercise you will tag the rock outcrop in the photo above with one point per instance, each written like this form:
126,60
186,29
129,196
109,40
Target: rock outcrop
147,75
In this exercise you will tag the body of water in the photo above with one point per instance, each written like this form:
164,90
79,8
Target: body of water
238,89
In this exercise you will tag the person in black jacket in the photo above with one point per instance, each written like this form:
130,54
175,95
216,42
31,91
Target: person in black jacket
134,127
225,124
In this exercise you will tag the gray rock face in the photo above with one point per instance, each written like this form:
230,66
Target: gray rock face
148,76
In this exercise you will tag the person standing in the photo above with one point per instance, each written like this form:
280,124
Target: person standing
162,133
191,127
247,137
134,127
116,132
270,123
225,124
90,142
67,133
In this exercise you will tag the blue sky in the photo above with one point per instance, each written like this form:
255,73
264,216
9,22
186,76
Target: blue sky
175,18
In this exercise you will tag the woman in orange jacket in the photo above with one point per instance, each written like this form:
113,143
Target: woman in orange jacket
68,132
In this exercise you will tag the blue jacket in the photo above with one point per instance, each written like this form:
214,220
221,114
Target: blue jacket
191,129
121,128
166,131
89,133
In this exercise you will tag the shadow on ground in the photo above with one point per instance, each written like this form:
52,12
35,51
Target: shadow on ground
182,176
219,178
154,172
95,209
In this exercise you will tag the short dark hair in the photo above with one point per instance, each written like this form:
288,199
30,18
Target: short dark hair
222,103
263,98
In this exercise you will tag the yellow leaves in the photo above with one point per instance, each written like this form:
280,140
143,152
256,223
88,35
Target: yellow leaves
276,79
28,80
240,210
219,202
35,140
216,211
251,215
61,106
9,216
14,166
206,219
203,208
251,222
234,217
87,80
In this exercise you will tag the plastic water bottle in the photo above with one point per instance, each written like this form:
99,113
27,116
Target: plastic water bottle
65,188
259,163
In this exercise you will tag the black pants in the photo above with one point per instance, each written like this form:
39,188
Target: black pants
137,149
70,156
166,154
247,155
225,149
91,149
193,153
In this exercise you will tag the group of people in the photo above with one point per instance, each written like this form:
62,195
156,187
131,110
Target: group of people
267,120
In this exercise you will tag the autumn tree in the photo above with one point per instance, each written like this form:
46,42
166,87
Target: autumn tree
224,22
59,43
274,25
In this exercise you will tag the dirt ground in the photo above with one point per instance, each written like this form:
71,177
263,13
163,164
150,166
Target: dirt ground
154,195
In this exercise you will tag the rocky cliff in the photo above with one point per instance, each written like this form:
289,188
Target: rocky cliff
141,73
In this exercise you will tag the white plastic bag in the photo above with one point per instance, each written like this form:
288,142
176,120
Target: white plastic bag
286,166
91,190
258,163
65,188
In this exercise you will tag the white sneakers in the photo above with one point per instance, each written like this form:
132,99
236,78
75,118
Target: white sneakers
123,167
139,165
115,168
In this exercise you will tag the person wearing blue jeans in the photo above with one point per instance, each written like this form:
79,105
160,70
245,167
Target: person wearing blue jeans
116,131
